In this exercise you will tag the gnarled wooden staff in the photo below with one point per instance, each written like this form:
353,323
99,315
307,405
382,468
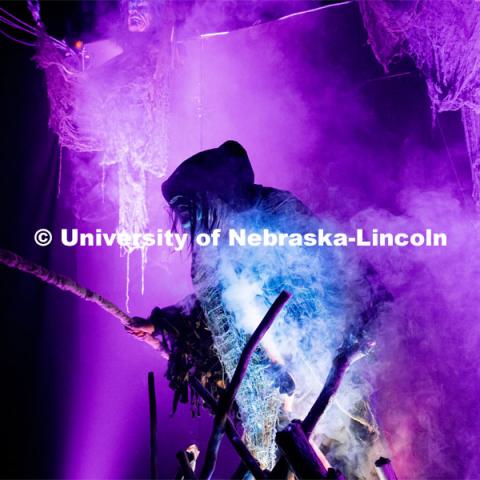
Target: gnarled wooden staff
66,284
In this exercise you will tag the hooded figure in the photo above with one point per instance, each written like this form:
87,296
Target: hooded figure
235,286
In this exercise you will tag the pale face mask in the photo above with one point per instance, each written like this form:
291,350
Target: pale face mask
139,15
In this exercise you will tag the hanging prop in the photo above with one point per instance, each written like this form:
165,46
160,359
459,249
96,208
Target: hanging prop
443,38
116,110
109,106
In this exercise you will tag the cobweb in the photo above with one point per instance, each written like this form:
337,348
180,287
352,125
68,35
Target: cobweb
116,115
119,110
443,38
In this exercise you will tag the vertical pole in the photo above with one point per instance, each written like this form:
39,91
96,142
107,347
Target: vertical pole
384,469
153,426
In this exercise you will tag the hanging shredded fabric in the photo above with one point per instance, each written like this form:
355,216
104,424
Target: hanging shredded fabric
443,38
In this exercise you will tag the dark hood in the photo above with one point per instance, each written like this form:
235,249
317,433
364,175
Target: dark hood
224,171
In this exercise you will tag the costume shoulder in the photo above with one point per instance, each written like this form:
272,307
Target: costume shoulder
280,201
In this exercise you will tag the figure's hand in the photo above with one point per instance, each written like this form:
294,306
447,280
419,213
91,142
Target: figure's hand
143,330
142,325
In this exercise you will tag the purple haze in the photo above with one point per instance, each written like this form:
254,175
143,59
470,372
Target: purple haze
306,98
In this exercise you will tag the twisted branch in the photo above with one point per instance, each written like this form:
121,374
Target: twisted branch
62,282
17,262
342,361
247,458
